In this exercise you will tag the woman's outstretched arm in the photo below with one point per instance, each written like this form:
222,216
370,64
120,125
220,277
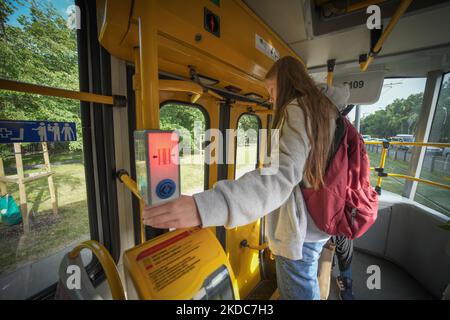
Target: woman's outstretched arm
233,203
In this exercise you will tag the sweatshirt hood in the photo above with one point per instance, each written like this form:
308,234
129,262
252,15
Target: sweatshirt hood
338,95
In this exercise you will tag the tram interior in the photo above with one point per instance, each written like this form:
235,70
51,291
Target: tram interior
201,59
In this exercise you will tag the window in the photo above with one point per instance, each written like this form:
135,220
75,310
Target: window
36,46
191,123
247,144
394,117
436,164
39,44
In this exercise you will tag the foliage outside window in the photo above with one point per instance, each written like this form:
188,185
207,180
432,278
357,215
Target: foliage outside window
394,117
37,47
247,144
188,120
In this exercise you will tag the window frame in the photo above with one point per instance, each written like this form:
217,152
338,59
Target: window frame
434,101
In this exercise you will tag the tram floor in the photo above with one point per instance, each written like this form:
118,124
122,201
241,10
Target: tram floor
396,284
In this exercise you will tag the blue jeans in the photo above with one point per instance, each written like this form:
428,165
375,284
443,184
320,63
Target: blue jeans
297,279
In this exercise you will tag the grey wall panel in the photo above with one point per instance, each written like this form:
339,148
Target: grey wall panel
416,243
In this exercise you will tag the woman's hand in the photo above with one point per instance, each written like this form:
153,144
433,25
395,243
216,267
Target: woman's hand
179,213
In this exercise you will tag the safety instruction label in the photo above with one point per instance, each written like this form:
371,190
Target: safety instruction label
266,48
12,131
170,260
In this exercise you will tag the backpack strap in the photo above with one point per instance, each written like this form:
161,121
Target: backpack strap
339,134
347,110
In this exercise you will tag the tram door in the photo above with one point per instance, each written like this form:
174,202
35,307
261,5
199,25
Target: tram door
199,169
177,112
245,261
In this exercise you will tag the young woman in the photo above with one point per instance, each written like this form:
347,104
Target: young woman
306,116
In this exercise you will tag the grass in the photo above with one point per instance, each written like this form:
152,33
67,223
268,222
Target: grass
192,174
37,159
48,233
245,159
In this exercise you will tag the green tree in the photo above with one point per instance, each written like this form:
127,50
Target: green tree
175,116
399,117
41,50
440,131
247,122
7,7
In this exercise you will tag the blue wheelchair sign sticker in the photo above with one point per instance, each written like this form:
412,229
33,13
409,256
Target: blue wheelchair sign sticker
12,131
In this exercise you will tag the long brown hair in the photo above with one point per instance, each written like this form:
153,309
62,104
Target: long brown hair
293,82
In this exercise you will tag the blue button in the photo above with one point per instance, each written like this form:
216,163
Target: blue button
165,188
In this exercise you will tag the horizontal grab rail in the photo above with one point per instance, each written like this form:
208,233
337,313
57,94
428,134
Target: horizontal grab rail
382,174
412,144
119,101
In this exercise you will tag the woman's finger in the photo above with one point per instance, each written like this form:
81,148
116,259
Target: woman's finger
158,220
157,211
163,225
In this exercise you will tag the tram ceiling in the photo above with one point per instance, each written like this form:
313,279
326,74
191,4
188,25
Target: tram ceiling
420,35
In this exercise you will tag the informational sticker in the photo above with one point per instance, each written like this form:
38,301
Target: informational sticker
182,264
170,260
12,131
266,48
365,87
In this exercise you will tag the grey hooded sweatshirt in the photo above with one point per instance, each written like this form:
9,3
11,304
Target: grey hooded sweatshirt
233,203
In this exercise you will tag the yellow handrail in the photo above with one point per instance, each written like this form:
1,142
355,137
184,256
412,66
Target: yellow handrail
412,144
384,154
55,92
395,18
107,263
432,183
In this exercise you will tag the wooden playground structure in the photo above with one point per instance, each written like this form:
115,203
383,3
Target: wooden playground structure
21,179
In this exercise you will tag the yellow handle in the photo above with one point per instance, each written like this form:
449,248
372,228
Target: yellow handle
107,263
130,184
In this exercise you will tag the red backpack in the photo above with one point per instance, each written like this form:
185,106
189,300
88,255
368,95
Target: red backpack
347,204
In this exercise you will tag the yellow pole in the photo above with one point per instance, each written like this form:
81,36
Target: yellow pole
330,78
137,88
331,63
362,5
146,78
149,64
382,163
395,18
